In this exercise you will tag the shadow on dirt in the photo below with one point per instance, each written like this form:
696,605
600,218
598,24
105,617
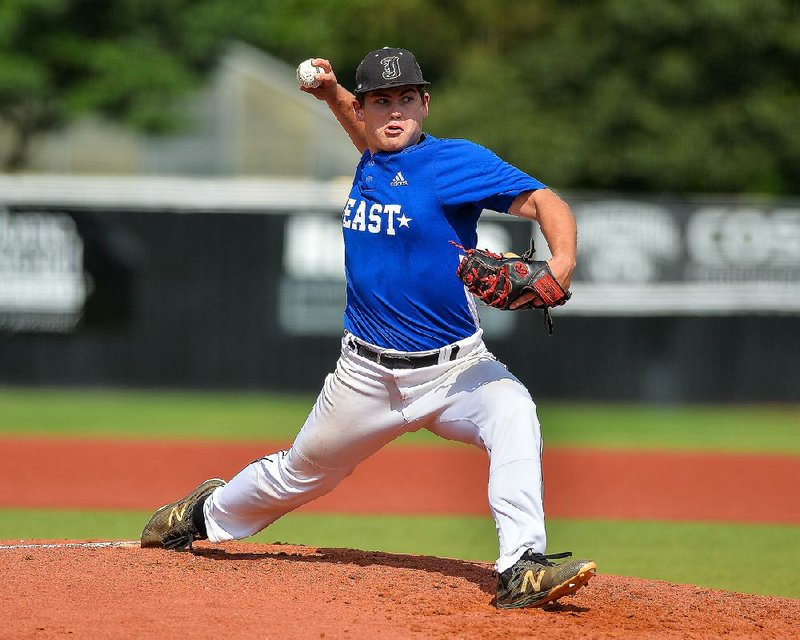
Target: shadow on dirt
480,574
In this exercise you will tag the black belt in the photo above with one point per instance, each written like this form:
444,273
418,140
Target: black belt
400,362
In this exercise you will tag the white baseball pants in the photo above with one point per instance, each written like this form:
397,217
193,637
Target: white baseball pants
363,406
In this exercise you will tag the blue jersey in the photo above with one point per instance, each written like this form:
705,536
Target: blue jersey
404,210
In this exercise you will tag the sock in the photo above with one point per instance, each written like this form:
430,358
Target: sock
199,519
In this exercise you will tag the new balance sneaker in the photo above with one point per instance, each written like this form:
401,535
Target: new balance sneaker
177,524
533,580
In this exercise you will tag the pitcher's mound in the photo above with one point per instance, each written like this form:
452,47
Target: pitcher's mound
245,590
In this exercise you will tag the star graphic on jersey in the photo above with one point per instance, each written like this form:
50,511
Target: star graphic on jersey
404,221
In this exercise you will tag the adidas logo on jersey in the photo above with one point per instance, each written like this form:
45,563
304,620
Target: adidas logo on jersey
399,181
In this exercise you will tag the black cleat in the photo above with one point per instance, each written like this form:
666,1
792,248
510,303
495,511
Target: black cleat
174,526
533,580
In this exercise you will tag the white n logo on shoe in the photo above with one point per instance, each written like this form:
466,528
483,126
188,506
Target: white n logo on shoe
535,581
399,180
177,513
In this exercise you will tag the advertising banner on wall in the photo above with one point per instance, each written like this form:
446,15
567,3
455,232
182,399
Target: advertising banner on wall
636,257
43,284
650,258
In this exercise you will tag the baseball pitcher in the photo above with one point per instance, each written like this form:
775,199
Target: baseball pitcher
412,353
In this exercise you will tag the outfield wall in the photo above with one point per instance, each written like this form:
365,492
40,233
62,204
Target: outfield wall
238,284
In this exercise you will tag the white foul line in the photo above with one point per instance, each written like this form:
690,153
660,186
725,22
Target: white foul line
72,545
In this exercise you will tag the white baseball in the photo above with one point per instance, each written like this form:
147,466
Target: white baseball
307,74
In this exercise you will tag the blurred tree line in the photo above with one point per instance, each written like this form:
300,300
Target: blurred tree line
665,95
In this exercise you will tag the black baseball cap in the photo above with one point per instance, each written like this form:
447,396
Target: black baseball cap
388,67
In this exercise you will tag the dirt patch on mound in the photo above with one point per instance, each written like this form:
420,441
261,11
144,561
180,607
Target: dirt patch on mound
244,590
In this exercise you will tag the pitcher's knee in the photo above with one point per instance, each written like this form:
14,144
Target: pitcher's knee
512,427
296,480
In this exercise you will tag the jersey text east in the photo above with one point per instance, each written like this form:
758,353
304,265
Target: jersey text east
376,218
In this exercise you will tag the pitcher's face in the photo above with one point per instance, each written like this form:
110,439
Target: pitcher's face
393,117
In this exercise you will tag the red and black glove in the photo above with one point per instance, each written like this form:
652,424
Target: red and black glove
500,280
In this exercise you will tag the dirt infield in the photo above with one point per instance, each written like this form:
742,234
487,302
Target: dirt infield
239,590
126,474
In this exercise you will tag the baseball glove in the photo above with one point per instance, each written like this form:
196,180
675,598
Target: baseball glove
499,280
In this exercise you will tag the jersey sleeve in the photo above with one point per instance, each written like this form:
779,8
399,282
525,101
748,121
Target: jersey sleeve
467,173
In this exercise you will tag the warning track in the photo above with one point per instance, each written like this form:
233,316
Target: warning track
579,483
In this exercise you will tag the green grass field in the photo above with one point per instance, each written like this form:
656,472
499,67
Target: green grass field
239,416
761,559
